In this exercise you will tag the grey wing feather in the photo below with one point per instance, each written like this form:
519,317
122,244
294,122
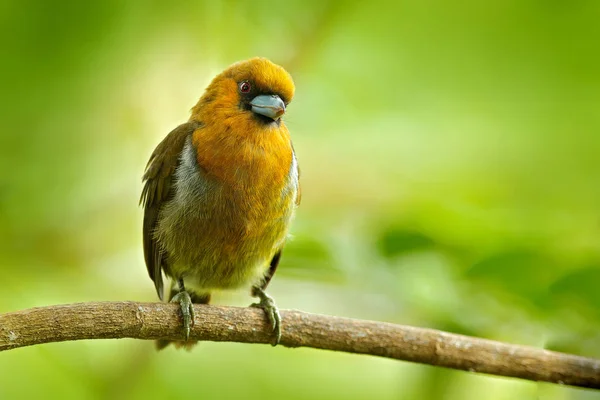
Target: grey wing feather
158,189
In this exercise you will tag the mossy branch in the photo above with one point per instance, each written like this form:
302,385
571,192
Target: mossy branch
115,320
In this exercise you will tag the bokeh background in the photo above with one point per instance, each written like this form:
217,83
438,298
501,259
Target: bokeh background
450,156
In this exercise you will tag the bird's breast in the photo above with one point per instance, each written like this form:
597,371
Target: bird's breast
245,158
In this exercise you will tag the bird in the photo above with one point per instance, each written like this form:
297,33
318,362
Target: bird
220,192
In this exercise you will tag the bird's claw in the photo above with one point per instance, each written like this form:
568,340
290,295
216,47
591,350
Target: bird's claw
187,311
272,312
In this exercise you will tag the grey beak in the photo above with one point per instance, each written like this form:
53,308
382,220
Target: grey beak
269,105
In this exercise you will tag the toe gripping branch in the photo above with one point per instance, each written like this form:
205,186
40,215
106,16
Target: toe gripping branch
187,308
272,312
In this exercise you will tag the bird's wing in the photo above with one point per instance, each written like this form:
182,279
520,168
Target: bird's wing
277,257
158,189
299,189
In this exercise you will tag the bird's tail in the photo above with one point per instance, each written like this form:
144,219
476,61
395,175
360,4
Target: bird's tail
188,345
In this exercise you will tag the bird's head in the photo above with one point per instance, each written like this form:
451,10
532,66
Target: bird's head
254,91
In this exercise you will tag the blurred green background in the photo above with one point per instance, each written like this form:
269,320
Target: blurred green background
450,156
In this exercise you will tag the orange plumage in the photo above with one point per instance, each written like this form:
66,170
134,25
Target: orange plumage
221,190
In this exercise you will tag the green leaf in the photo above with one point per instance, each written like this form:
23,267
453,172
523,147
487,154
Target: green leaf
399,241
522,272
581,285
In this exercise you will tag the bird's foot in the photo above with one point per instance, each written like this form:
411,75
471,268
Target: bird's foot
187,310
268,305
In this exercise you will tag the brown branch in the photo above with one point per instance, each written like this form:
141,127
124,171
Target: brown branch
247,325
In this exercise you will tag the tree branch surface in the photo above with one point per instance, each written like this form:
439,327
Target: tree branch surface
116,320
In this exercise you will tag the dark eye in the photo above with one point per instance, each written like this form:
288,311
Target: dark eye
245,87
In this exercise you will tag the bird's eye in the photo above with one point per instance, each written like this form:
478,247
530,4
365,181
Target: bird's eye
245,87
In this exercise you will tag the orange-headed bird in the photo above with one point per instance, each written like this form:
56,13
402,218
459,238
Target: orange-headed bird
220,191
